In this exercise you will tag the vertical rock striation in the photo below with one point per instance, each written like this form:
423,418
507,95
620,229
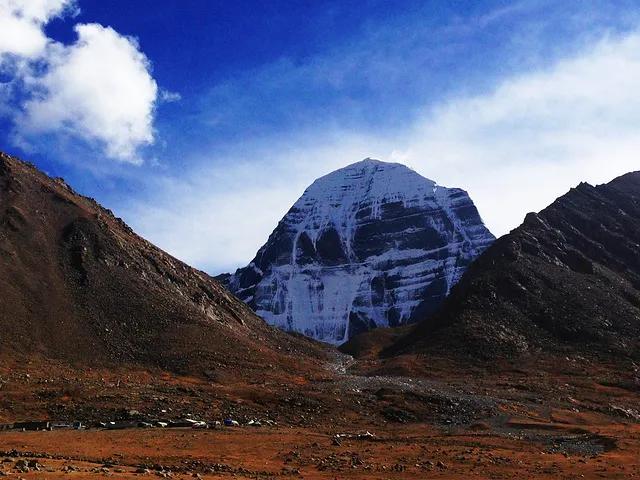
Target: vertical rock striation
370,245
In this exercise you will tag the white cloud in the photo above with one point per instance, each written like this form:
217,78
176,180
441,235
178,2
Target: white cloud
169,97
515,149
216,218
521,146
22,22
98,88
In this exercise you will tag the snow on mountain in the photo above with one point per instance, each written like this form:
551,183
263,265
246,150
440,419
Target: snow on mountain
373,244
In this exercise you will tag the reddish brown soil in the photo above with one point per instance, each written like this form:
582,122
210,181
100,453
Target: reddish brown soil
413,451
554,419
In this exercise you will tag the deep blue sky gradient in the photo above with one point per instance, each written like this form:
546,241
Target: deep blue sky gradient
251,70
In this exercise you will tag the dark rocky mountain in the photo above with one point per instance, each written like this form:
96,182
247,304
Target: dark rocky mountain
567,279
372,244
77,284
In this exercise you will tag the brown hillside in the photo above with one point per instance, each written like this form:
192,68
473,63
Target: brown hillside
77,284
566,280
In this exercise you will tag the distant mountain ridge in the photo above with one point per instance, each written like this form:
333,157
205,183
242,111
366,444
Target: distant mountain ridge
372,244
566,280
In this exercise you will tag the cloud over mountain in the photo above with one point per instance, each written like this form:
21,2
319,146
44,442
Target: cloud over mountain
515,147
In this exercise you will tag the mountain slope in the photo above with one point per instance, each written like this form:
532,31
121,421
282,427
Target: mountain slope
372,244
77,284
567,279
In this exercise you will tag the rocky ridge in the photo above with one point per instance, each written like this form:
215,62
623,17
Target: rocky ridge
566,280
77,284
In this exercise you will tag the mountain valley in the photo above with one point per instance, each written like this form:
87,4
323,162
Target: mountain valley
171,375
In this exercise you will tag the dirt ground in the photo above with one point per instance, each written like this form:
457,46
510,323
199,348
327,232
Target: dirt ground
521,449
558,418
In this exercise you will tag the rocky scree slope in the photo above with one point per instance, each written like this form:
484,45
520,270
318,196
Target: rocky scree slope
566,280
370,245
77,284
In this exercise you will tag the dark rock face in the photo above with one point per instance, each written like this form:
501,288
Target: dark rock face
365,246
77,284
568,278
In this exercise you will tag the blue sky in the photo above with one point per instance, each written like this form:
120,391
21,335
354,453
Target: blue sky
201,121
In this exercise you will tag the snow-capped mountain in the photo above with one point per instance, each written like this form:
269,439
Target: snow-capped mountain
373,244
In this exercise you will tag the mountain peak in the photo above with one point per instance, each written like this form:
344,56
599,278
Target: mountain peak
364,246
368,180
372,163
368,160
